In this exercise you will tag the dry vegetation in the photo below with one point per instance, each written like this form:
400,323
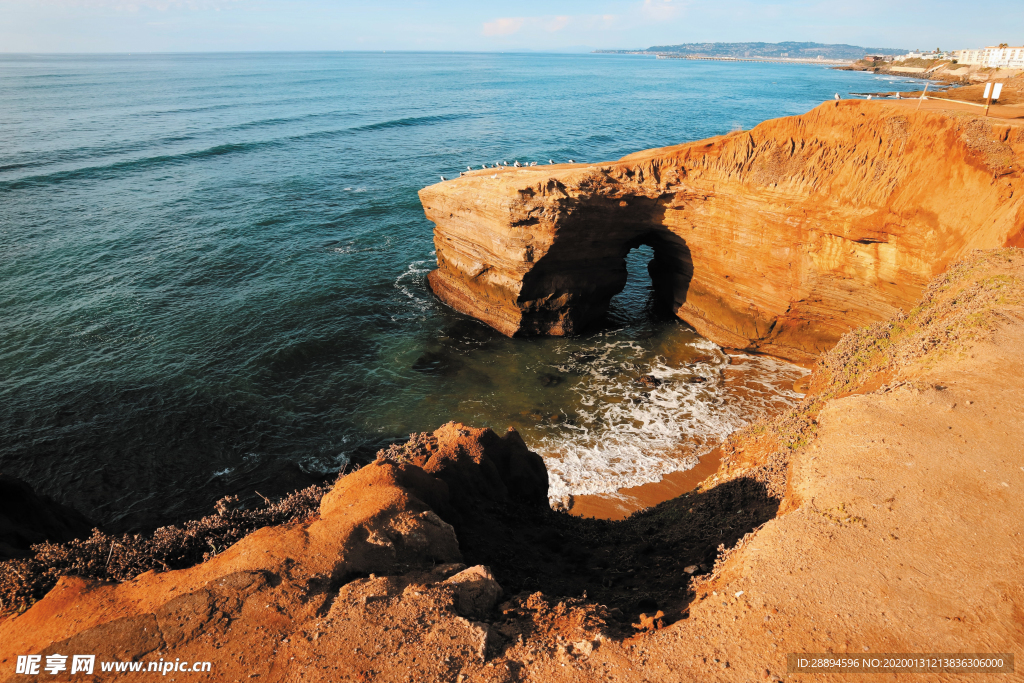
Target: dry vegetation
419,446
120,558
955,310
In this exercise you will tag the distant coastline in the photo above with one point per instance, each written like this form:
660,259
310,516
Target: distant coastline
762,51
945,71
762,60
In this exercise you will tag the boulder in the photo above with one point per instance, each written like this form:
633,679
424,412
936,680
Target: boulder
478,592
478,468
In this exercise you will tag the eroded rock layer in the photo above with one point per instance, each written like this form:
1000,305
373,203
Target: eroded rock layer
778,239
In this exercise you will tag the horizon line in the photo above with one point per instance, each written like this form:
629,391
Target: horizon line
203,52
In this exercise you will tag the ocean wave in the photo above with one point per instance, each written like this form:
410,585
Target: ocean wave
24,164
354,247
411,121
118,167
277,121
94,152
620,440
322,464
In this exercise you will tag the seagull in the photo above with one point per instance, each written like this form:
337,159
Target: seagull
495,175
551,161
443,179
571,161
837,96
516,163
469,168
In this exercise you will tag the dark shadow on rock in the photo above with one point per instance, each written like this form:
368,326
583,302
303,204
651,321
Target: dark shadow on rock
569,289
497,502
635,566
27,518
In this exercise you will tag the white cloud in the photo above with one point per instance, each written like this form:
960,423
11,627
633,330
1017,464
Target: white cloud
661,10
505,26
558,23
562,23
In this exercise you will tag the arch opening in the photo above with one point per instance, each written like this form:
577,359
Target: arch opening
639,302
627,275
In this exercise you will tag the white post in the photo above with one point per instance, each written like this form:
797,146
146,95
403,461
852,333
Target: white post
988,98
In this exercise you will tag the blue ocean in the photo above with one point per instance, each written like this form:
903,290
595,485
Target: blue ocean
213,270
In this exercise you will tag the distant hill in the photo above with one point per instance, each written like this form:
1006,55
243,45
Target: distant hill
788,49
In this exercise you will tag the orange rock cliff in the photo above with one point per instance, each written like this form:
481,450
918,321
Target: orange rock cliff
777,240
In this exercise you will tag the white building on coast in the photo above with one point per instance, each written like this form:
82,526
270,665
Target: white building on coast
934,54
992,57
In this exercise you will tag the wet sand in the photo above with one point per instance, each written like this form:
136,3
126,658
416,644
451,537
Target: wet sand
629,500
639,497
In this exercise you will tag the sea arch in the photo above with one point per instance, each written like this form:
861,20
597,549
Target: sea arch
778,240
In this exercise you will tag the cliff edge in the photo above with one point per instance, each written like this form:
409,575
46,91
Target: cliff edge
779,239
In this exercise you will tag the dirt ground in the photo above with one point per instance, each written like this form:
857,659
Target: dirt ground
906,538
1012,91
1010,104
1006,112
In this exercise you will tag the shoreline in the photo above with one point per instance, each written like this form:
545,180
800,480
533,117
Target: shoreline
762,60
950,74
629,500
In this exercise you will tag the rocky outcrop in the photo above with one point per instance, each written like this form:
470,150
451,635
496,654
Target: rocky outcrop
283,581
779,239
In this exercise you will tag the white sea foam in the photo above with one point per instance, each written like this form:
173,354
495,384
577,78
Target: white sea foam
323,463
620,443
353,249
406,283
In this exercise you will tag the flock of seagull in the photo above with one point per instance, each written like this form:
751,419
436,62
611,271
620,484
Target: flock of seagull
503,165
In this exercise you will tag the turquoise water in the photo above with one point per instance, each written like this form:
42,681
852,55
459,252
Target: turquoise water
212,269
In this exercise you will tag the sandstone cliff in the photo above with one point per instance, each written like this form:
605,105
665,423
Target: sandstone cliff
778,240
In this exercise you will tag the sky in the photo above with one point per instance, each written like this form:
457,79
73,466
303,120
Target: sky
479,25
